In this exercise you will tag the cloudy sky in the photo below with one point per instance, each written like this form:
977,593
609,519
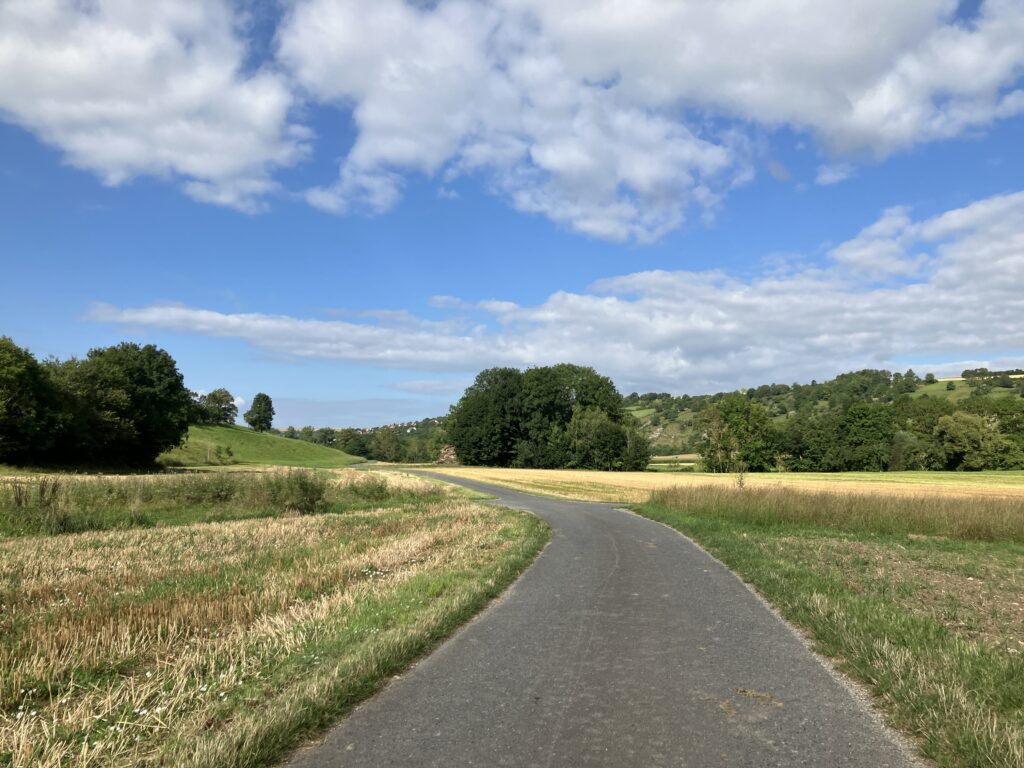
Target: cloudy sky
355,205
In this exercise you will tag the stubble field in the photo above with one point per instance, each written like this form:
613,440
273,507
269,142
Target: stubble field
169,641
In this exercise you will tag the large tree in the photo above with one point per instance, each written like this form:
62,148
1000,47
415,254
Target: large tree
216,407
485,425
554,416
737,434
29,405
128,404
261,415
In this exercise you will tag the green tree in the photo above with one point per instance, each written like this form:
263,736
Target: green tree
385,445
970,441
217,407
261,415
485,425
127,404
737,434
29,405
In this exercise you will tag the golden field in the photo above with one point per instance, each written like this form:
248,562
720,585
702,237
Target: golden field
222,643
636,487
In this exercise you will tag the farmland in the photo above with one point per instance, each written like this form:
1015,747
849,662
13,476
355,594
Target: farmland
215,620
631,487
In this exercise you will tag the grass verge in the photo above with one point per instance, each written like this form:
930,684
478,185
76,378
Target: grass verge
224,644
926,610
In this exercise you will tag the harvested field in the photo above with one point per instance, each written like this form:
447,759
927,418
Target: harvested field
222,643
635,487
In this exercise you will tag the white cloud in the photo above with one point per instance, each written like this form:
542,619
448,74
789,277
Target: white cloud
835,173
874,303
126,88
607,116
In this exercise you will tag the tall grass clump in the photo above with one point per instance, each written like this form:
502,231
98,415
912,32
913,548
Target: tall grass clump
979,518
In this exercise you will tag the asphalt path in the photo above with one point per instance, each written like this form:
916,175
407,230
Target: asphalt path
624,644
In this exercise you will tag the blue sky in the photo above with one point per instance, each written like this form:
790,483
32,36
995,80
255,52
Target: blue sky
355,206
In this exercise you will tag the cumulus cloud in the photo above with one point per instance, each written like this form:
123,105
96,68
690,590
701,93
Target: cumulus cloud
607,117
945,288
126,88
616,120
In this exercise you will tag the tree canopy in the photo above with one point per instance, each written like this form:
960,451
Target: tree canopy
119,405
261,415
554,416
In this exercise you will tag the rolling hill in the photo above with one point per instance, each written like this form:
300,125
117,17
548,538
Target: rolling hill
219,446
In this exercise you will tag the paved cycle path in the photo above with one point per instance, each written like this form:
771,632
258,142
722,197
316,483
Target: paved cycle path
624,644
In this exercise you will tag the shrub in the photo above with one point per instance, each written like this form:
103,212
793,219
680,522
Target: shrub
298,491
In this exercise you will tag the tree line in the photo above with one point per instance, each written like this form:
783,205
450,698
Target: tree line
864,421
414,442
546,417
122,405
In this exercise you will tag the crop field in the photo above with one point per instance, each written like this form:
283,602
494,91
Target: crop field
633,487
217,620
918,598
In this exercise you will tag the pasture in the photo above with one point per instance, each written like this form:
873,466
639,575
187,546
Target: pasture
208,446
215,620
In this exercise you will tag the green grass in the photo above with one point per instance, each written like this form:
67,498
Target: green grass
249,448
923,610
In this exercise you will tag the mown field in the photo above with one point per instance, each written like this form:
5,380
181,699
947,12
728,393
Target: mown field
914,586
215,620
633,487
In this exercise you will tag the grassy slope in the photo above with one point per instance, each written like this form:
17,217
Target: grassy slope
932,625
252,448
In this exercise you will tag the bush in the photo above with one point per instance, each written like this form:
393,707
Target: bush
298,491
370,488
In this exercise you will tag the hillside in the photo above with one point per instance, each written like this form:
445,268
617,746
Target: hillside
670,420
209,446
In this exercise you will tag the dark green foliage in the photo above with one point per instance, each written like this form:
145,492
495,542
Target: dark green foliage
214,408
555,416
385,445
29,405
486,425
131,403
261,415
121,405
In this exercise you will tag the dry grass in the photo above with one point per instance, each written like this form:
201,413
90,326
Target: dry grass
982,519
635,487
217,644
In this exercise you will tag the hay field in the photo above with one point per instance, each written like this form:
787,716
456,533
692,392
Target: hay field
635,487
223,643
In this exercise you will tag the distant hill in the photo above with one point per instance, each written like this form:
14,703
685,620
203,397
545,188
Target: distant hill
670,420
218,446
